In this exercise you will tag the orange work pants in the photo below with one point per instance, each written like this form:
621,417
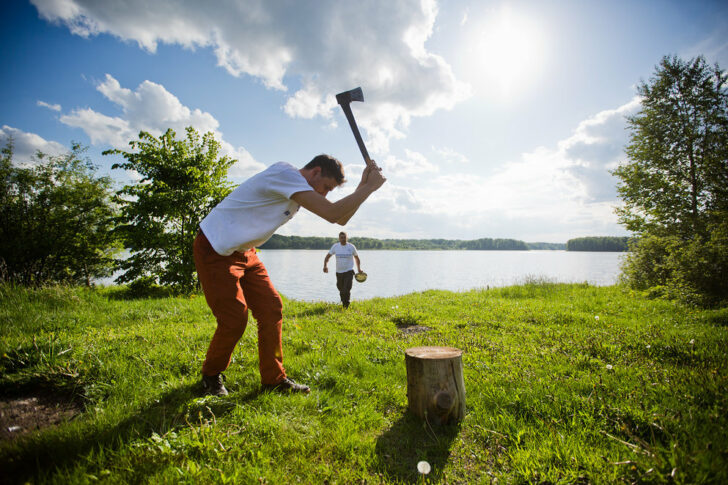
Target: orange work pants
232,284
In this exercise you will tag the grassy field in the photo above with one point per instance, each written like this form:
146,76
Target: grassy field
565,384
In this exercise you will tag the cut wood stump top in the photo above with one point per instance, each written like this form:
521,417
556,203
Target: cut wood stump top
433,352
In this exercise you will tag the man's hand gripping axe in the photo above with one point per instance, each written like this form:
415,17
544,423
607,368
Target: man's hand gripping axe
345,99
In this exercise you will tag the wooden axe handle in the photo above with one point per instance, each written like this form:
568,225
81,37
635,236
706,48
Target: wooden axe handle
352,123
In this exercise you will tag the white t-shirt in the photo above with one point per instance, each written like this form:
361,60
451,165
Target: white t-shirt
344,256
250,215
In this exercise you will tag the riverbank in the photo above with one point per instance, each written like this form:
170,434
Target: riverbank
564,382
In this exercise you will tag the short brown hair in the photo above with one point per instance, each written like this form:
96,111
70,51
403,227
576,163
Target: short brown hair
330,167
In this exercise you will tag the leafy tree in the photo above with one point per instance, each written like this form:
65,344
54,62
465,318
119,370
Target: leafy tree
56,218
181,181
675,184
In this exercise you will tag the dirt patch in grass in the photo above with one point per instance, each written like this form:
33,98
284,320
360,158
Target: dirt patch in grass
35,410
409,324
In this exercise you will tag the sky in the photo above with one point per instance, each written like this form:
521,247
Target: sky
490,119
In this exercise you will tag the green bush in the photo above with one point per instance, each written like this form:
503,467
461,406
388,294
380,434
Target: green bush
646,264
693,271
56,217
147,287
700,267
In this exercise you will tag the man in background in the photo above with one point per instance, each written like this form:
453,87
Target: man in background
345,256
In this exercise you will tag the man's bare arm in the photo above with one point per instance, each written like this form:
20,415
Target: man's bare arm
364,177
343,209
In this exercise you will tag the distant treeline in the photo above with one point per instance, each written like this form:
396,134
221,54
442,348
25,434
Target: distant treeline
605,243
545,245
485,244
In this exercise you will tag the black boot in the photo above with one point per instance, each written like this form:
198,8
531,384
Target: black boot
213,386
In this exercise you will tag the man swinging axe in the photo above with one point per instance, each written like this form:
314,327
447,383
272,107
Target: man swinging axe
234,280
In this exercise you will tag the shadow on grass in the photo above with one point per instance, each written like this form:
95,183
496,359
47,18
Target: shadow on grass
315,310
411,440
44,452
717,317
127,294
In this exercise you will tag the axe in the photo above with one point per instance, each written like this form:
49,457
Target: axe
345,99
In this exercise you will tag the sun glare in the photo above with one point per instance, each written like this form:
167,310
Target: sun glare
505,54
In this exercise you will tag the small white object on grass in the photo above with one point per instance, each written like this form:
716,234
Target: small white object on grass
423,467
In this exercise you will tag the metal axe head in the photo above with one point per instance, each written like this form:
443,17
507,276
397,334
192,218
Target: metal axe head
348,96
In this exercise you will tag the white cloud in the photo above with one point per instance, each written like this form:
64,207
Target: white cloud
52,107
309,102
449,155
545,180
26,145
153,109
414,163
326,46
596,147
465,17
101,129
246,164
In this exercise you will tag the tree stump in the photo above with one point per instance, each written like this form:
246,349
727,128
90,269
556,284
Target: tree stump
435,386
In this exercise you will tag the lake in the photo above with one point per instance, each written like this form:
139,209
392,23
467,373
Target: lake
298,274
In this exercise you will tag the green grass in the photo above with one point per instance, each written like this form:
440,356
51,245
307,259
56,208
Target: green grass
554,394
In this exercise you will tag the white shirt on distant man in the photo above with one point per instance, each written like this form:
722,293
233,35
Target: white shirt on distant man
344,256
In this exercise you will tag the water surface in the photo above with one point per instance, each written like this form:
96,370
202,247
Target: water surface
298,273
